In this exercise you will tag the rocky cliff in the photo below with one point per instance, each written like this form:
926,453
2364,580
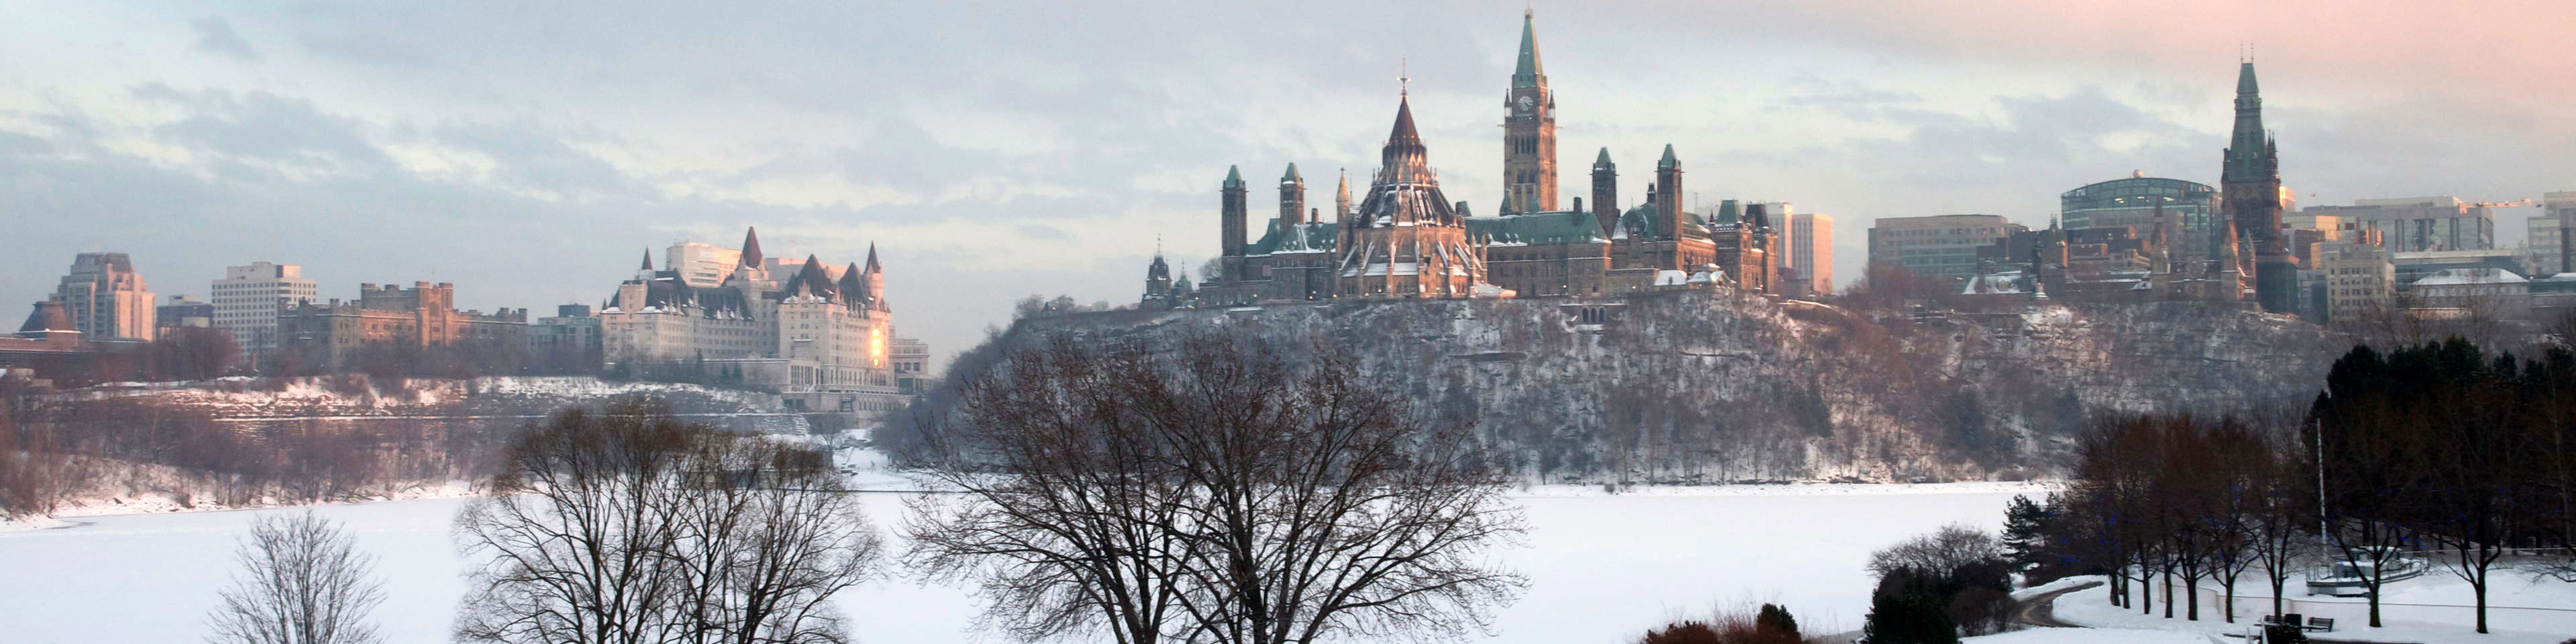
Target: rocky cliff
1704,387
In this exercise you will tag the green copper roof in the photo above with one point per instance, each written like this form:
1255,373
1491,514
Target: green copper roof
1292,174
1233,177
2245,78
1302,238
1669,161
1539,228
1604,162
1528,74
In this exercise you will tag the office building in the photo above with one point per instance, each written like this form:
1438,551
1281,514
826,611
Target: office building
1938,246
247,302
106,300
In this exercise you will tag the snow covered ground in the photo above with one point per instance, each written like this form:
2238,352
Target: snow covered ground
1603,568
2426,609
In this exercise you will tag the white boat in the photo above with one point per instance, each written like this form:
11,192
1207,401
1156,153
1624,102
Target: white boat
2350,577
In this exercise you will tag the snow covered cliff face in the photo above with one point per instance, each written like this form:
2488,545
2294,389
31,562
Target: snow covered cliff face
1708,387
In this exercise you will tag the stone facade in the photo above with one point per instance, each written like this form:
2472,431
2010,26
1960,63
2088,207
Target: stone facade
820,335
106,299
336,333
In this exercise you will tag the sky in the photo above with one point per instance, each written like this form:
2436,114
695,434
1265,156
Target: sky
530,152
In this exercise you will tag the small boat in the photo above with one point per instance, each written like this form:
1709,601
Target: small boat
2350,577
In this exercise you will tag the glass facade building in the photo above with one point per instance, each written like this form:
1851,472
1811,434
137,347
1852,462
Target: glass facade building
2131,203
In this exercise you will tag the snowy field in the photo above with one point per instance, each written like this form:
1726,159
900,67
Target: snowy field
1603,568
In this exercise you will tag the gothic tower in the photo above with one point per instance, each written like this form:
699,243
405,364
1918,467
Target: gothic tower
1605,191
1232,217
1668,196
1292,198
1529,132
2250,197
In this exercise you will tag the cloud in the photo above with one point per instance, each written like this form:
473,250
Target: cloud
216,36
369,48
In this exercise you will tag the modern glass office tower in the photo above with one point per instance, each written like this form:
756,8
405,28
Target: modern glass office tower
2131,203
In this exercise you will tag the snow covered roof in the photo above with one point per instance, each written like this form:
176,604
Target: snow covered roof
2454,276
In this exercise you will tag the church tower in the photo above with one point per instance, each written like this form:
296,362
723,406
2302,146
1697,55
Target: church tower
2250,197
1529,132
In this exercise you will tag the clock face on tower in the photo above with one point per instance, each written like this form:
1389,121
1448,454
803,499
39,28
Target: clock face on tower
1526,101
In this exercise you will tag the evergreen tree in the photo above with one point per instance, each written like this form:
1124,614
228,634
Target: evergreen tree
1908,609
2025,531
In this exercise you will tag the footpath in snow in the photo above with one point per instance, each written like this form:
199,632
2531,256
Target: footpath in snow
2428,609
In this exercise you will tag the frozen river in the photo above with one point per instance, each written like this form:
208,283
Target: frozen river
1602,568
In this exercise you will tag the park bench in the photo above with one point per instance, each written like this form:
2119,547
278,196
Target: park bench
2321,624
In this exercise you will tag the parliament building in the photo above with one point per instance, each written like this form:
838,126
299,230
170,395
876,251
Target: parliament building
1404,239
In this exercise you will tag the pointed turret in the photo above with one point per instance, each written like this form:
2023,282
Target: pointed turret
1404,134
1342,200
1604,163
751,247
1528,74
873,267
854,290
811,280
648,261
1669,161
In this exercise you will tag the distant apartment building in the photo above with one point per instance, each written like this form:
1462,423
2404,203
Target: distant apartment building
2359,280
2132,203
911,365
702,265
568,343
106,300
2420,224
1806,250
2553,241
391,317
183,310
1943,246
247,301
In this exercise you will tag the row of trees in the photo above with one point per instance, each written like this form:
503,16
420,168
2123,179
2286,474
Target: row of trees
2441,450
620,525
627,525
54,448
1212,491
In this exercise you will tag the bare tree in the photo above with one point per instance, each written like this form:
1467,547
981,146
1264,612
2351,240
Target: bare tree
302,581
1215,491
626,525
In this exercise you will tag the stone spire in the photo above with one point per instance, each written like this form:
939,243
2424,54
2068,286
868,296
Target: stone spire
751,247
2249,155
1528,74
1342,200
